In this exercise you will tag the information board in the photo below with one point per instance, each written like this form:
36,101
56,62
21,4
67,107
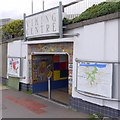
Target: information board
95,78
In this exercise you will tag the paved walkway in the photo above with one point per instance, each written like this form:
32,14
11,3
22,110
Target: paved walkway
16,104
3,87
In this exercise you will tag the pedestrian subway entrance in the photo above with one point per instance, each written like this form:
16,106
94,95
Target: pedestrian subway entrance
50,76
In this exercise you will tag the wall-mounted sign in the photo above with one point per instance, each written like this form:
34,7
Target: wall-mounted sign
43,23
14,67
95,78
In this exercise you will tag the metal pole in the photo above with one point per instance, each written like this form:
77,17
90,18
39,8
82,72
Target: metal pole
60,20
43,6
49,92
76,74
113,70
24,27
71,3
32,6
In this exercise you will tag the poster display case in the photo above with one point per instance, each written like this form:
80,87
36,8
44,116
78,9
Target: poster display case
14,67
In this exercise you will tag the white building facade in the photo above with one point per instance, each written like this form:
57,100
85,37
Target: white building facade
83,61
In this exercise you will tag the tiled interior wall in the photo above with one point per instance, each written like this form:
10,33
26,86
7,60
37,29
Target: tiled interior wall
25,87
52,47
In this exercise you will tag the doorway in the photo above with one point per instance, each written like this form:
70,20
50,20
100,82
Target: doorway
55,68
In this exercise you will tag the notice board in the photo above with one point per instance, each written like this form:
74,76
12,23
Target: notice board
94,78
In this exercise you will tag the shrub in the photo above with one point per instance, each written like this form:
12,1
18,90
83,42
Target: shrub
66,21
12,29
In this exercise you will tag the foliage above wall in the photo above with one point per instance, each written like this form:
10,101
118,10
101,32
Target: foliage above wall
101,9
12,29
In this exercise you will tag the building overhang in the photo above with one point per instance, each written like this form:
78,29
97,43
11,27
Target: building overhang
58,40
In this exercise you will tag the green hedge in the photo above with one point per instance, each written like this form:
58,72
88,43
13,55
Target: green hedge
101,9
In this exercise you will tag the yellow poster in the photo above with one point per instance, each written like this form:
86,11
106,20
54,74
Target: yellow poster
57,75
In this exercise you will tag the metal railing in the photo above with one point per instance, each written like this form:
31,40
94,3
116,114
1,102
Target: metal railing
75,8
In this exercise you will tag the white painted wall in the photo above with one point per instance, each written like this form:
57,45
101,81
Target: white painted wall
24,53
19,49
14,49
98,42
111,40
93,41
119,60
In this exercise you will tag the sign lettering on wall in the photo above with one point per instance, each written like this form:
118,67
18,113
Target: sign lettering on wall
42,23
14,67
95,78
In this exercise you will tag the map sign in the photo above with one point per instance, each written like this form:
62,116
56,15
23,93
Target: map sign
95,78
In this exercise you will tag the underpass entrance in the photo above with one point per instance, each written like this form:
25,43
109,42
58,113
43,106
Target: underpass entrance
50,76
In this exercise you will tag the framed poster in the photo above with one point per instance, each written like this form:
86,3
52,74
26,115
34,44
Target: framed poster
95,78
14,67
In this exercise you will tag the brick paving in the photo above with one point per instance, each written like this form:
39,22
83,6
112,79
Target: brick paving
29,104
16,104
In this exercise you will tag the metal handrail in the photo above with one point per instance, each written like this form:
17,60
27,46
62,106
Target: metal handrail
95,96
71,3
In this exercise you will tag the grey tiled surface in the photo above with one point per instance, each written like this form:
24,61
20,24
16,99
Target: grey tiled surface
25,87
91,108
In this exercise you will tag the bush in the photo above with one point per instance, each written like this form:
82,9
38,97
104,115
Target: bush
101,9
95,116
12,29
66,21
